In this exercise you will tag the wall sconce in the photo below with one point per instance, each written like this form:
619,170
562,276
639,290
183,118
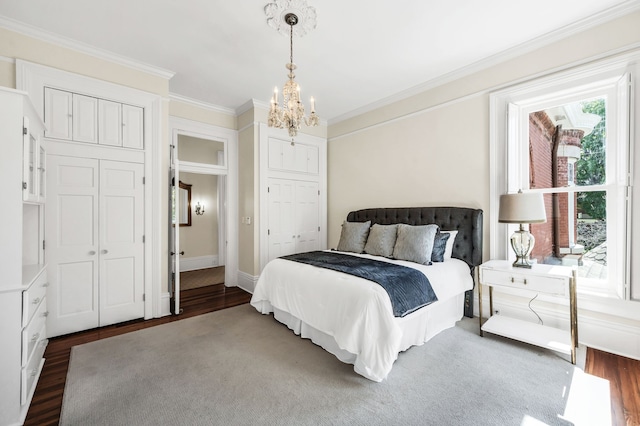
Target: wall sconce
199,208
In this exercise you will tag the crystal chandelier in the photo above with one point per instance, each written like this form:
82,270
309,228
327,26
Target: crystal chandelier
291,113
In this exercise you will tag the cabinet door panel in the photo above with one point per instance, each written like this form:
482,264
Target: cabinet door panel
110,123
132,127
85,119
57,113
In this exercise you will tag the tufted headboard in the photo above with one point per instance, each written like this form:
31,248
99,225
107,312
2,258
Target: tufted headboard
467,221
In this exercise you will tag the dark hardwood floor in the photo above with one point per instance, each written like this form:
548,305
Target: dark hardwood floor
623,373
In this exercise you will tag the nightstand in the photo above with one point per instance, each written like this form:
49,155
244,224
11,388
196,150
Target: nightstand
547,279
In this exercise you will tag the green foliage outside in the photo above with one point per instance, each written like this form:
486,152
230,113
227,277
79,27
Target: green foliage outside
590,168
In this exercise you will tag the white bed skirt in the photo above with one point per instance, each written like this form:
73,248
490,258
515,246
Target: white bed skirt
417,328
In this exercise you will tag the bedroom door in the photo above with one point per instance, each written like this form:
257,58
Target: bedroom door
294,217
95,254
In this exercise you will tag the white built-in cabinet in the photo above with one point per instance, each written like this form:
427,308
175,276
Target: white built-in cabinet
293,185
82,118
24,282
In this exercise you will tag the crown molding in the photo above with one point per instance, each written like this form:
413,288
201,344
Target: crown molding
201,104
6,59
58,40
592,21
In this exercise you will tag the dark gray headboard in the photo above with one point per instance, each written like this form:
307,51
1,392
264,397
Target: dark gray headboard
467,221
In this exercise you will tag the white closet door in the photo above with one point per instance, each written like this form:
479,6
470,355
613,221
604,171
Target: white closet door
58,113
307,216
85,118
110,123
72,244
281,226
121,246
132,127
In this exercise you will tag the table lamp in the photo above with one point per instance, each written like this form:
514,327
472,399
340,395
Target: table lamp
522,208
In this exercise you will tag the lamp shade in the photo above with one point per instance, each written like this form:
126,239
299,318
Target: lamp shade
522,208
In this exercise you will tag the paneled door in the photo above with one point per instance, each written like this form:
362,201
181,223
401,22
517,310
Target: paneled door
294,217
121,221
281,227
94,250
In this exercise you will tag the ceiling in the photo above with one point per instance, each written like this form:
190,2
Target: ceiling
361,54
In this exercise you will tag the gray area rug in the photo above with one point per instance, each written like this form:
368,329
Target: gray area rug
237,366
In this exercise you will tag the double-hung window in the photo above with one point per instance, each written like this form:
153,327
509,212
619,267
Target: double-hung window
568,137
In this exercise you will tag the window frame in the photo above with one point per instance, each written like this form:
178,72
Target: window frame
509,171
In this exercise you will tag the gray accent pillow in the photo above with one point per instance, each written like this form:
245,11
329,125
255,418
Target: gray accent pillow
448,251
439,246
415,243
382,239
354,236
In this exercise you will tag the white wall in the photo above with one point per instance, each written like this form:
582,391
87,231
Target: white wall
433,149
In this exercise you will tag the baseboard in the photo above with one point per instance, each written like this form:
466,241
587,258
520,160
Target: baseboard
165,304
247,282
200,262
595,330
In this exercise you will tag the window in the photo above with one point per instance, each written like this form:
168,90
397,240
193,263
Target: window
567,137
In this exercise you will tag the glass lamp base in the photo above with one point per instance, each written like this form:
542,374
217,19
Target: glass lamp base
522,242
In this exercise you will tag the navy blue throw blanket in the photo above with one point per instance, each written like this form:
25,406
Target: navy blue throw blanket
408,289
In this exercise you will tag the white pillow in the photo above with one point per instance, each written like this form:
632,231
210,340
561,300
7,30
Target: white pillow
448,251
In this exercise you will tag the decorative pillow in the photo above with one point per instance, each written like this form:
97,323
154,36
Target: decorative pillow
415,243
382,239
439,246
354,236
448,251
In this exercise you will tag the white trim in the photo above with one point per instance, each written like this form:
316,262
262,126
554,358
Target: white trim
201,104
183,126
7,59
198,262
58,40
32,78
165,304
247,282
509,108
521,49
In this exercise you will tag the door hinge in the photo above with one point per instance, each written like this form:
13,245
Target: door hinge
268,231
24,130
43,245
143,180
318,229
268,189
144,297
24,185
143,238
318,192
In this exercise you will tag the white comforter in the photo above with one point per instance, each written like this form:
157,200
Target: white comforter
356,312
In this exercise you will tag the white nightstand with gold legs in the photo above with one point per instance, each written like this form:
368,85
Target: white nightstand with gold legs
548,279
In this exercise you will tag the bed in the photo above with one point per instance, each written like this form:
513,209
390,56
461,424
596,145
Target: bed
352,317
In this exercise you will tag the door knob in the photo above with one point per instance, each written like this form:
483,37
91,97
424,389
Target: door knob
92,252
104,251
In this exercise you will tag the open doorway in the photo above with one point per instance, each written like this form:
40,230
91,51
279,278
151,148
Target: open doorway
198,238
202,264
